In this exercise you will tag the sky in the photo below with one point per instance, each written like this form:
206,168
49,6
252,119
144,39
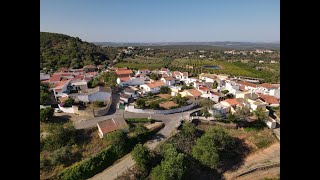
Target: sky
163,20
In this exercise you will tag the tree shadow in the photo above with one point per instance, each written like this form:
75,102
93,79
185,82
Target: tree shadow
231,161
61,119
84,135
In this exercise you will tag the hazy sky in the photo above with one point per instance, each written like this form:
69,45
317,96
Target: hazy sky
163,20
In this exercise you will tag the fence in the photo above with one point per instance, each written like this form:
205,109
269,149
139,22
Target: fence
150,111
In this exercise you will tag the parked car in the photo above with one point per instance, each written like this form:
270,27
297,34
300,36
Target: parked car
57,110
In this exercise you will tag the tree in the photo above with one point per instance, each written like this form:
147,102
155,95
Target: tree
206,103
62,156
141,103
46,114
44,94
154,76
225,92
173,167
232,117
211,145
140,129
68,103
60,136
142,156
165,90
260,114
118,140
188,130
214,85
243,113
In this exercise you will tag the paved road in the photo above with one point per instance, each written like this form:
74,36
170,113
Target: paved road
171,121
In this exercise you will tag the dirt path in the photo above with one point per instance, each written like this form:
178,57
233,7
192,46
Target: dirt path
266,156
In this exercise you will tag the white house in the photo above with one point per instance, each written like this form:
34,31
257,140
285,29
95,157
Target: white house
61,88
131,92
219,109
231,86
44,76
143,71
130,81
177,74
169,81
79,85
153,87
98,93
244,86
164,71
268,89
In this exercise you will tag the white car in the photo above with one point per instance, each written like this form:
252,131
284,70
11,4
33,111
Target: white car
57,110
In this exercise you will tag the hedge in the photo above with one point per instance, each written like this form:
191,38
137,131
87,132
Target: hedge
88,168
139,120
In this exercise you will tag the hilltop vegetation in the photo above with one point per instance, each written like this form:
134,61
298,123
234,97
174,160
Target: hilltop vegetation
58,50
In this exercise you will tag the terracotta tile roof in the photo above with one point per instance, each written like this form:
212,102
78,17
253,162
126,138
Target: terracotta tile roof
60,84
124,72
168,104
231,102
247,84
155,84
55,77
268,99
268,86
194,92
176,73
169,78
125,79
79,76
203,88
110,125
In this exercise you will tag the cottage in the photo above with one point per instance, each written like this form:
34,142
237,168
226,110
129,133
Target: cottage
169,81
219,109
194,93
271,100
143,71
153,87
124,73
98,93
107,126
61,88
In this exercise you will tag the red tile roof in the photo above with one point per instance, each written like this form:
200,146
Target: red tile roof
203,88
121,69
176,73
247,84
268,99
231,102
110,125
55,77
268,86
60,84
155,84
124,72
62,69
194,92
169,78
125,79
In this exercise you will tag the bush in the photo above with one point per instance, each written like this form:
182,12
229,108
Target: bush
68,103
46,114
141,103
59,137
98,104
141,155
139,120
165,90
62,156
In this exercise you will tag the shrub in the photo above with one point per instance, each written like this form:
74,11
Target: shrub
141,155
98,104
46,114
62,156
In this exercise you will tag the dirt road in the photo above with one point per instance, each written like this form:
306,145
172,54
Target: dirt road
266,156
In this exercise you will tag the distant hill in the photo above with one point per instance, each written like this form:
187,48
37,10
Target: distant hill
59,50
213,45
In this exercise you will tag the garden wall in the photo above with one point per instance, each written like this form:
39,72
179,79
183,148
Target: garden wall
150,111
